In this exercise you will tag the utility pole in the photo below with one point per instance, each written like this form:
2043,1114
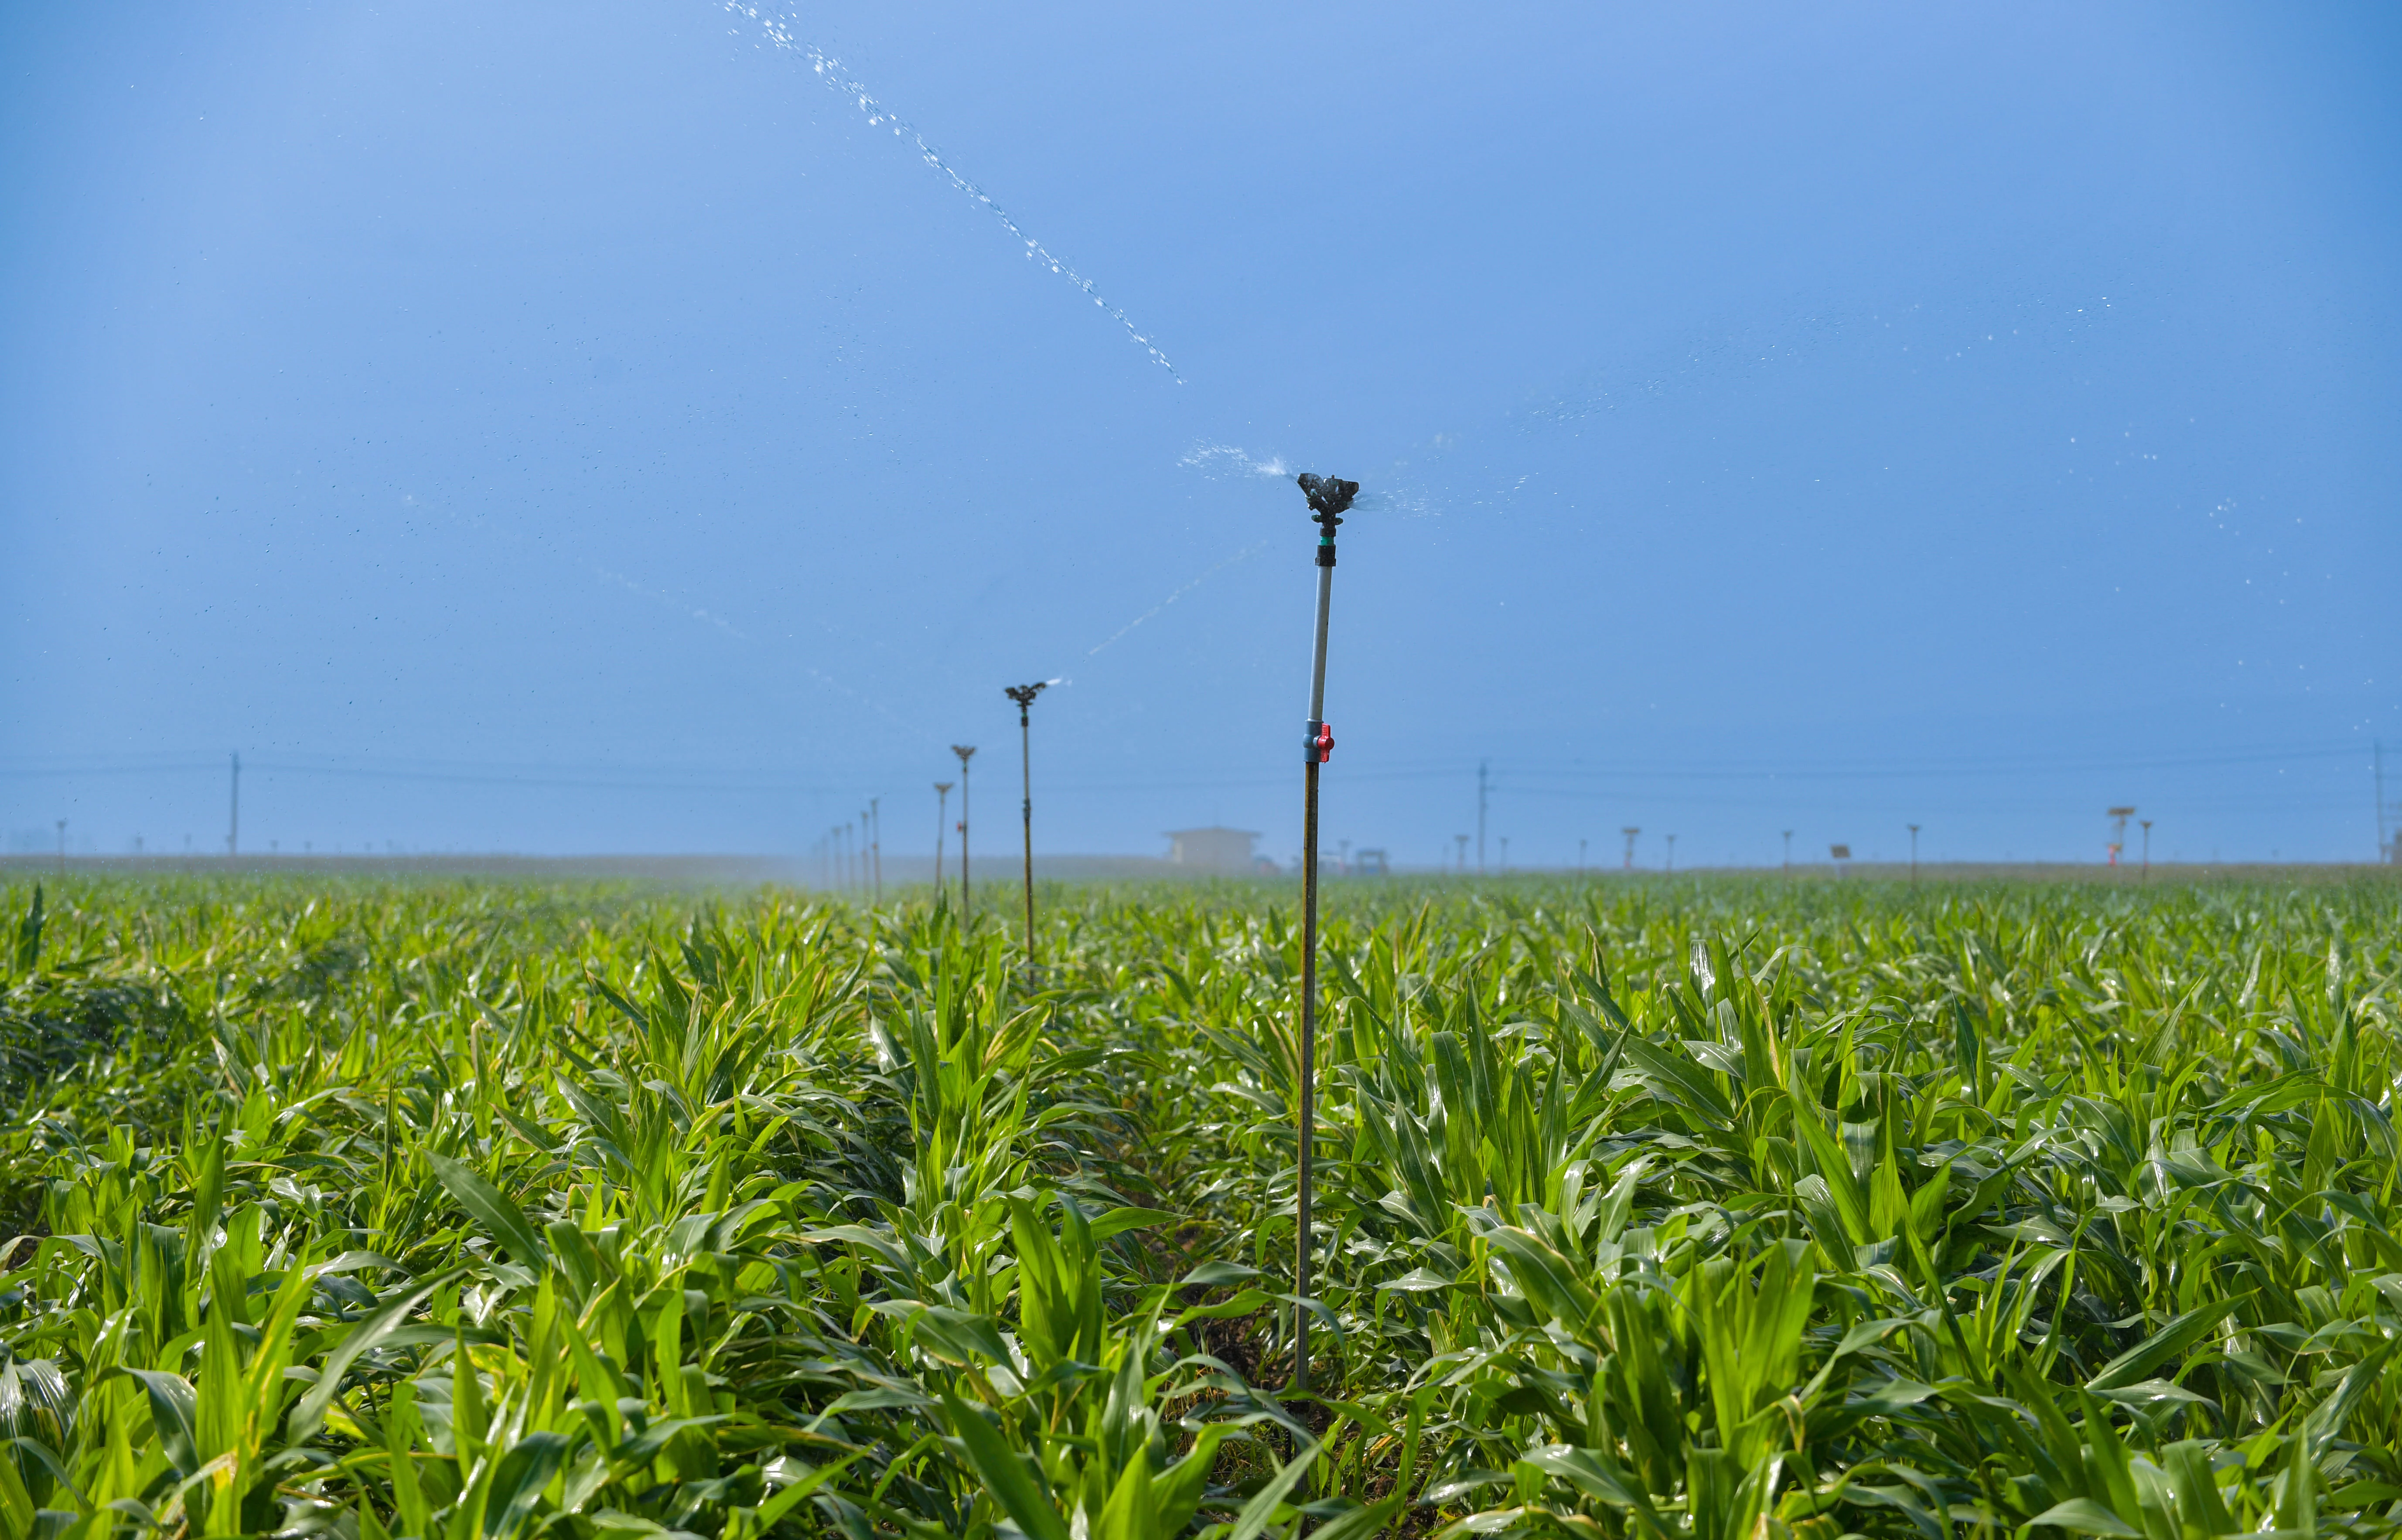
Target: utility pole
2389,840
233,825
966,751
1328,498
1630,832
2147,848
1580,856
1024,695
942,826
1463,853
1913,854
875,844
1505,855
1480,817
1672,852
1789,852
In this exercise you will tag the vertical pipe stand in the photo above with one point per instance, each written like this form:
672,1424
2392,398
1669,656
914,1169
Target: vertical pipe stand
1328,498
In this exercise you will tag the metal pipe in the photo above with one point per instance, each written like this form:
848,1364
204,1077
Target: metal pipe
942,826
1328,498
1026,810
1307,1123
1024,695
965,752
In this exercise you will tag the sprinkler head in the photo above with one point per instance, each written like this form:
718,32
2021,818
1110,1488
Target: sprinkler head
1329,498
1023,694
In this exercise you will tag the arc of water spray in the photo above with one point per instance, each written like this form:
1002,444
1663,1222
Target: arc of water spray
1243,555
830,70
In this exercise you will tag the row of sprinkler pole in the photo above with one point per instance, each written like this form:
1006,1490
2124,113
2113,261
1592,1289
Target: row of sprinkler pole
1329,498
861,861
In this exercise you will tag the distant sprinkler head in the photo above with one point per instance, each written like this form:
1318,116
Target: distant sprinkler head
1023,694
1329,497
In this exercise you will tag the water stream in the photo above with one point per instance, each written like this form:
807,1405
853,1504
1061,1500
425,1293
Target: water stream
780,33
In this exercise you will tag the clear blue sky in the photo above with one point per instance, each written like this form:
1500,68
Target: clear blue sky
569,428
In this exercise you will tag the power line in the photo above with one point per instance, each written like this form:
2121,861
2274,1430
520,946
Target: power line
1527,779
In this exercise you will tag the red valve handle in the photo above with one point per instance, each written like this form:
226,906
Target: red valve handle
1324,742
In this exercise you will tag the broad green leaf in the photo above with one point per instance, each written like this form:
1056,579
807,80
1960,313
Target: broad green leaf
1005,1473
2084,1516
518,1482
500,1219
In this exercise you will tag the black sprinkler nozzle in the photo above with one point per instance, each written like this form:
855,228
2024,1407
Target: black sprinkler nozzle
1329,497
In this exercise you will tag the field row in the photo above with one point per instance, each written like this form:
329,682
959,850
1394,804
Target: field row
1725,1209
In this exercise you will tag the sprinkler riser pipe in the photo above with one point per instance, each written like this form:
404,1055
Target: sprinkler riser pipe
1026,771
1329,498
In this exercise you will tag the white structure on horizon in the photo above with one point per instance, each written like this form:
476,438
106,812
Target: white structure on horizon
1212,849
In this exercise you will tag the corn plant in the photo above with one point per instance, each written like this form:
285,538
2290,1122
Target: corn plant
1733,1208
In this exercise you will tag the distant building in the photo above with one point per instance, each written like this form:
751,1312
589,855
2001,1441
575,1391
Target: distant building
1211,849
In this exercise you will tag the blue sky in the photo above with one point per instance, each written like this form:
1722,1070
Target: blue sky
583,428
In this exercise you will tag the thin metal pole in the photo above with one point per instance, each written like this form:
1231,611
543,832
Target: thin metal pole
1026,810
2385,847
967,896
1308,1122
1308,1062
876,844
942,826
1024,695
1480,818
1329,498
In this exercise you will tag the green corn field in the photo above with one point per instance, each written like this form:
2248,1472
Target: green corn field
1711,1208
